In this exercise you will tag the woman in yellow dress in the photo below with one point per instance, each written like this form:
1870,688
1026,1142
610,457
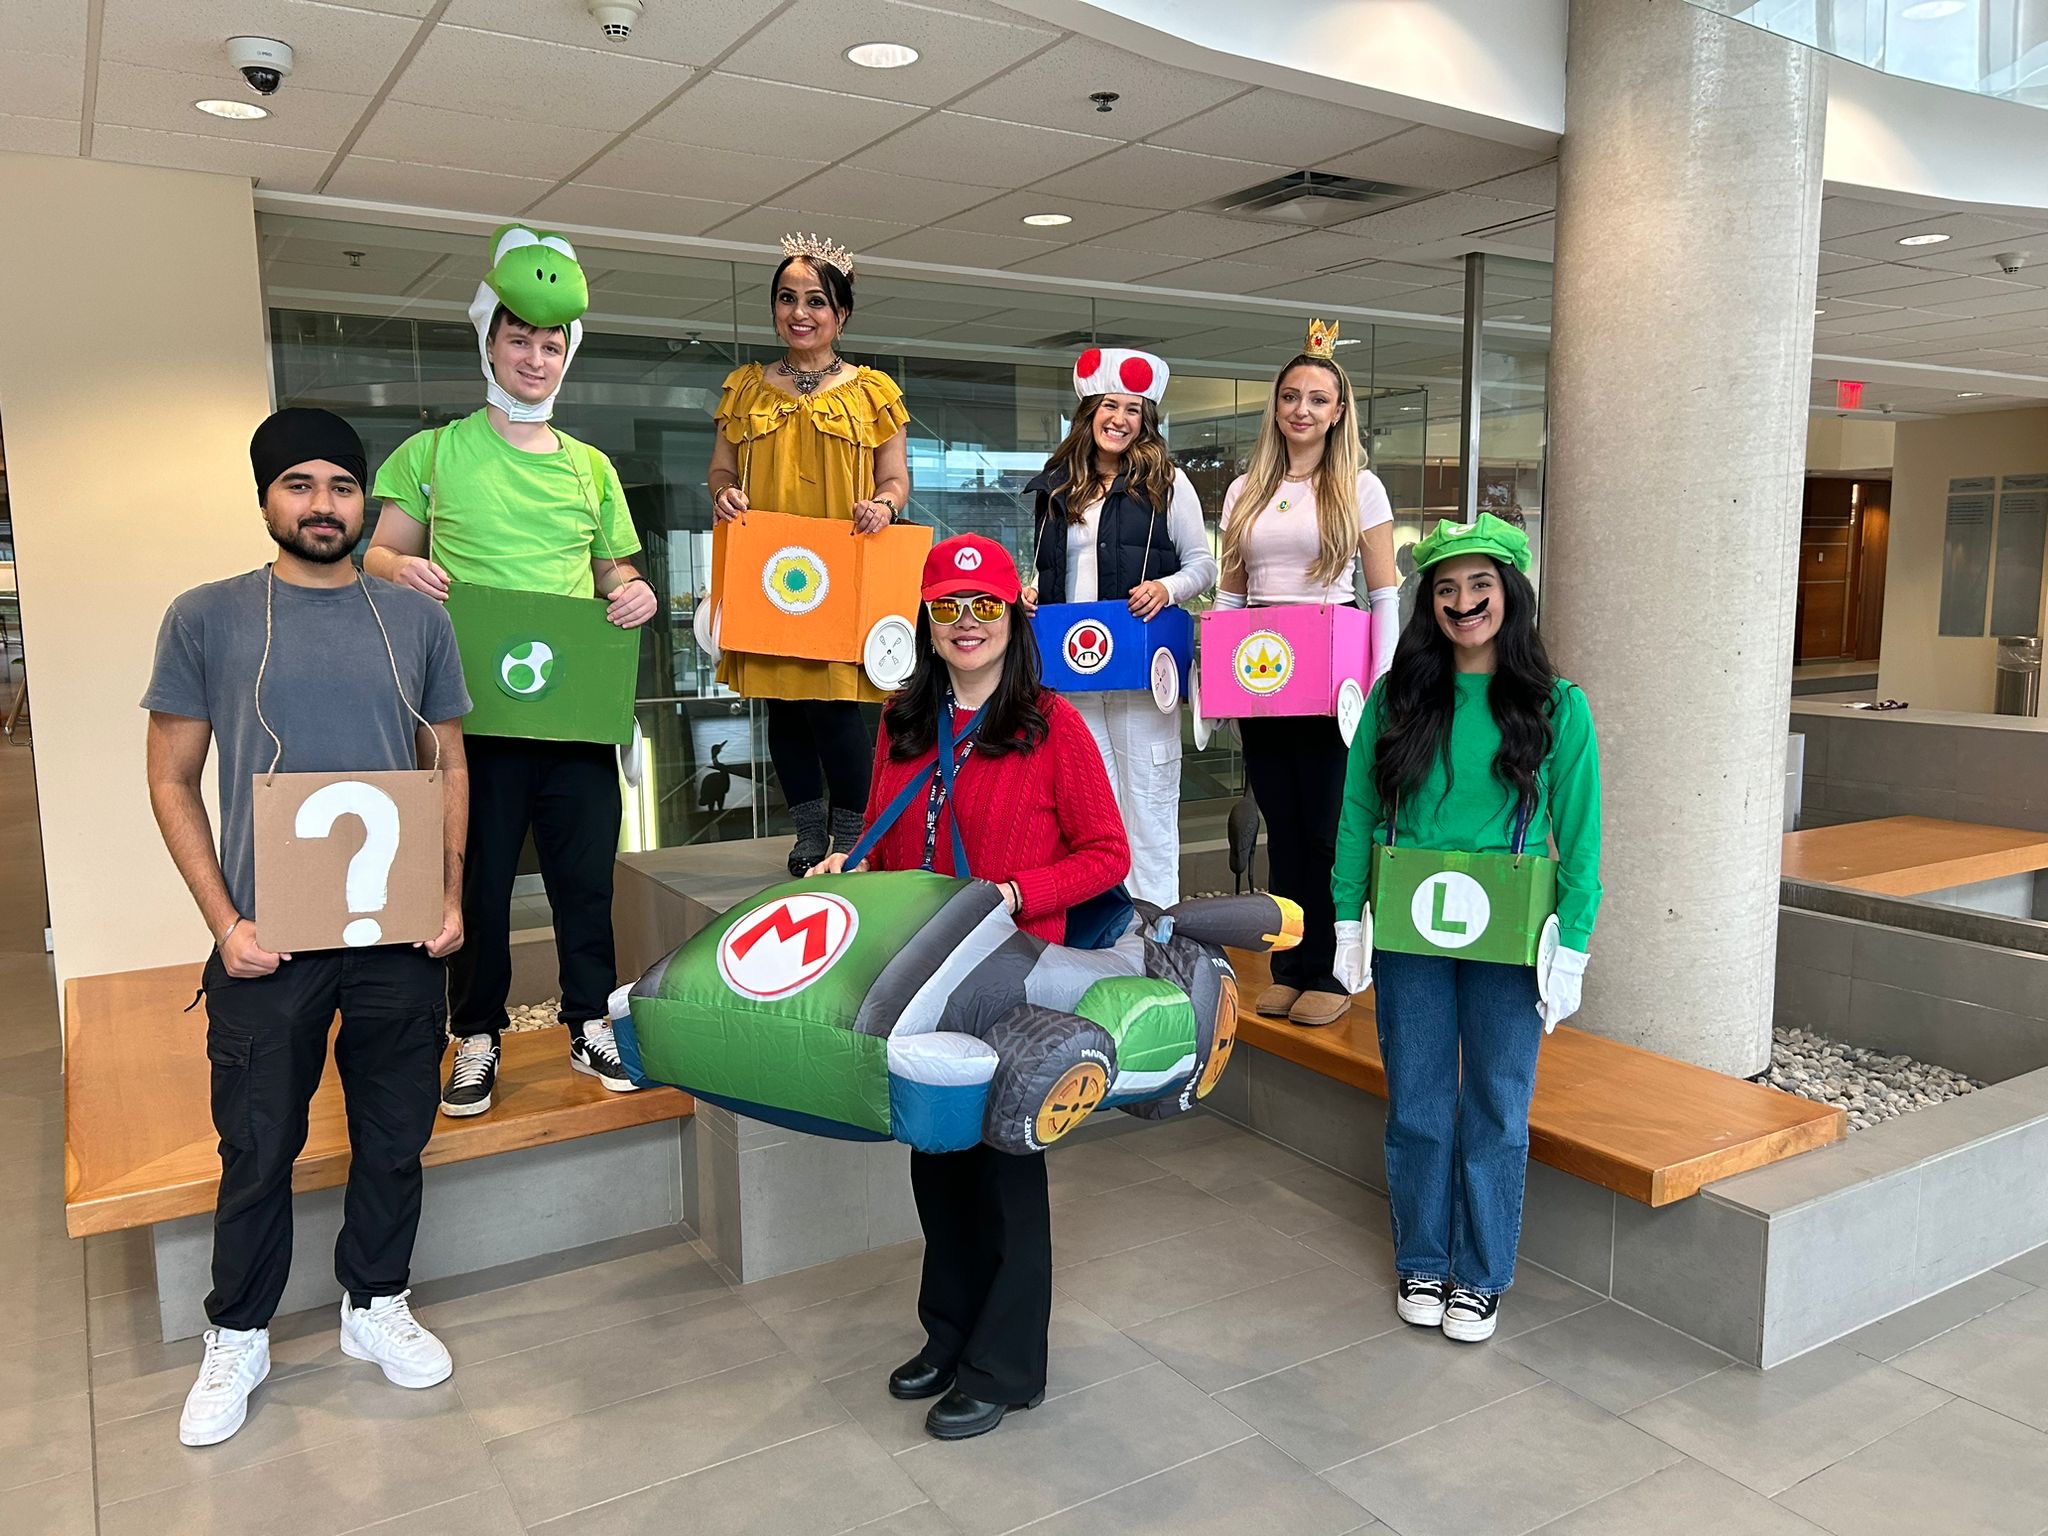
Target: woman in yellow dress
814,435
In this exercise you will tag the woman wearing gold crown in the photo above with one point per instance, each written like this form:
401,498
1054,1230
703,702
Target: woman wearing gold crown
1294,525
814,435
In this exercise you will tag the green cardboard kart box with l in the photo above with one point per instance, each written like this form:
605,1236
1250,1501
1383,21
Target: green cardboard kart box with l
544,667
1472,906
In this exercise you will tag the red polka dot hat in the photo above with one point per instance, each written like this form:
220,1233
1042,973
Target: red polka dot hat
1119,371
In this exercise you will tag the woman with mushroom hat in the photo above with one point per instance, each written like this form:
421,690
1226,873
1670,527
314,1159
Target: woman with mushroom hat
1116,521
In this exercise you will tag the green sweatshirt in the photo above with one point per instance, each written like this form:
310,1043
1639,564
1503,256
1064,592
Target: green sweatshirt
1477,815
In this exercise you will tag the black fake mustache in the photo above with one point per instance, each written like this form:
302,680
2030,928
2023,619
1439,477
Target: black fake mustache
1470,613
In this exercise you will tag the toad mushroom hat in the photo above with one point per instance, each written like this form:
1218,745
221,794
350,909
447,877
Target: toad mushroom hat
1120,371
534,274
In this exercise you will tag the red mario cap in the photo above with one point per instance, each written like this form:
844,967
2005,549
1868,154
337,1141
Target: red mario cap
970,562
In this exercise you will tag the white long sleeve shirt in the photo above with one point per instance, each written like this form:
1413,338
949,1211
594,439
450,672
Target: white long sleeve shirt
1184,530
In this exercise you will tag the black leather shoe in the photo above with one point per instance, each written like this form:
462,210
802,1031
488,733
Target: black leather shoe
956,1416
917,1378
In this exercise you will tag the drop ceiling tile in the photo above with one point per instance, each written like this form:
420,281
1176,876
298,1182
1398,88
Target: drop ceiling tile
137,97
1855,324
1963,295
1362,292
1104,264
1315,251
1427,156
1052,91
728,111
1436,218
694,32
337,48
1005,216
767,226
434,186
964,248
1220,277
681,170
1448,300
980,151
1842,216
2026,300
806,45
1537,238
273,166
617,208
43,26
471,141
1965,230
1146,176
1280,127
1197,236
38,135
414,8
1414,274
337,277
909,200
43,84
469,71
1536,185
1875,277
1965,333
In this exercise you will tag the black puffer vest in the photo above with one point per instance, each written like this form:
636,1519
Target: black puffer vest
1133,543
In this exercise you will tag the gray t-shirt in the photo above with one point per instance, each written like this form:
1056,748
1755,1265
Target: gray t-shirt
327,690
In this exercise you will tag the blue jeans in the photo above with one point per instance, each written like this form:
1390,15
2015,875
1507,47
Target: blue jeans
1457,1152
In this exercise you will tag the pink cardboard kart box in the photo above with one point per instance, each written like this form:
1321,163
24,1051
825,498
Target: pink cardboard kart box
1290,659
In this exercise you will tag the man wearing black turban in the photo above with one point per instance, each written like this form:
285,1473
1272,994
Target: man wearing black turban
285,667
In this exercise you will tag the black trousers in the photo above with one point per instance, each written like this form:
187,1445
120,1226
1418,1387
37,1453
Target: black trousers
567,792
820,745
986,1300
1295,766
267,1040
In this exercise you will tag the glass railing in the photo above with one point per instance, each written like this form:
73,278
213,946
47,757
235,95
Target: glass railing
1989,47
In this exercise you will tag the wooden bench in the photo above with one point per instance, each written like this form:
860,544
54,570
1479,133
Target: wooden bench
1640,1124
139,1143
1911,855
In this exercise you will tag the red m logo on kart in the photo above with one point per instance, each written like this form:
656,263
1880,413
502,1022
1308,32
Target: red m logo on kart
805,937
784,925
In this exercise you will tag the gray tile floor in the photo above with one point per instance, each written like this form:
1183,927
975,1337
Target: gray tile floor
1225,1358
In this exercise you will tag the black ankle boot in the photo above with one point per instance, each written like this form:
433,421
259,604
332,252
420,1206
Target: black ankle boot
810,844
846,830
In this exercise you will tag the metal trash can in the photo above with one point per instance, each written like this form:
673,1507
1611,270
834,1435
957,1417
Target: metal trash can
2019,675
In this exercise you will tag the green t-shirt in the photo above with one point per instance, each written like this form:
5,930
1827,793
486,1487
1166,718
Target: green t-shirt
507,518
1477,813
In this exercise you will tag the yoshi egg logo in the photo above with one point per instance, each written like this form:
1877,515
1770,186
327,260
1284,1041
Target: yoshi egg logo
795,579
527,669
1088,647
1262,662
779,949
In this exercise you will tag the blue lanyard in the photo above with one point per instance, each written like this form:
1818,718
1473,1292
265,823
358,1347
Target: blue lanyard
938,791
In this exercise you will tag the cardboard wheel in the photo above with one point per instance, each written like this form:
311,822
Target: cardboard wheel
633,757
1350,708
1205,728
890,652
704,628
1165,680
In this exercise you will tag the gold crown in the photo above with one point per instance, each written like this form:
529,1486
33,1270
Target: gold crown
812,248
1322,340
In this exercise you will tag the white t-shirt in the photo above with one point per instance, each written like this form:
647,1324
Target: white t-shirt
1184,531
1285,541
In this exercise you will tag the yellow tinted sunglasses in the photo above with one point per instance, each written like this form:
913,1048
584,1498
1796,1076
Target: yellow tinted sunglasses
947,610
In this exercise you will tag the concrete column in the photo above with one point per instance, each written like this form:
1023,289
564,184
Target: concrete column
1688,235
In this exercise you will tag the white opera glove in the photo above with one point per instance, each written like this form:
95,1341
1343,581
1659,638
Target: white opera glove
1229,599
1383,613
1558,982
1352,965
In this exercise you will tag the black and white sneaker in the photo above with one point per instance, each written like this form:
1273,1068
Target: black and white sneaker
1469,1317
1421,1301
472,1076
592,1049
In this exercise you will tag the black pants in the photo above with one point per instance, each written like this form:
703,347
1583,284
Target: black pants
820,746
986,1300
267,1040
1295,766
567,792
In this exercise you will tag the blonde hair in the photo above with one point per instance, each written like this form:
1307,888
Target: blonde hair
1336,481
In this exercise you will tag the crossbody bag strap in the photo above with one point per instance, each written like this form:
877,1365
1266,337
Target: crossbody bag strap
920,783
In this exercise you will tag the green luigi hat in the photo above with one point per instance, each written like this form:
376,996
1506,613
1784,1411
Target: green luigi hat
534,274
1485,535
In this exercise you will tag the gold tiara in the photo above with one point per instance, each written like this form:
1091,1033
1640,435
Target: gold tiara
1322,340
811,248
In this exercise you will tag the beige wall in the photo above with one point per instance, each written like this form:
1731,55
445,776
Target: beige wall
1926,669
1835,444
132,371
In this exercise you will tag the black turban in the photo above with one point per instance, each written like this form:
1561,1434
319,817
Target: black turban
298,436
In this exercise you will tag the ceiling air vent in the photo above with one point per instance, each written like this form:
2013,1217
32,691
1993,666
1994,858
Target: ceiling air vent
1314,199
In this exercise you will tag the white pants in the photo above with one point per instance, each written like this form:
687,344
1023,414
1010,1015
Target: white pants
1140,750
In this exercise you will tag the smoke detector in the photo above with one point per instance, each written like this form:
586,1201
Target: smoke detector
615,18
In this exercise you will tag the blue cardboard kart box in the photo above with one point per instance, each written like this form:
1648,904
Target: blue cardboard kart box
1103,647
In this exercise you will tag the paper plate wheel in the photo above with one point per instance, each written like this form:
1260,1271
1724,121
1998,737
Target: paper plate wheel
1546,952
1165,680
633,758
1204,727
704,628
1350,708
890,652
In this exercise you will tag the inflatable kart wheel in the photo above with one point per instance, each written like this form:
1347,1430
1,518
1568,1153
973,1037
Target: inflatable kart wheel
1225,1041
1052,1070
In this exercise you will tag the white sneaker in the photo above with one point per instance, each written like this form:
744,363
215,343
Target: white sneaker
236,1361
594,1049
387,1334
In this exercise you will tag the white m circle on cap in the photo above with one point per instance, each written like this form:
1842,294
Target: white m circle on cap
967,560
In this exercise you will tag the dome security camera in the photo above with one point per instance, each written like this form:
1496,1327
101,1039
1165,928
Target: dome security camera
2010,261
263,61
615,18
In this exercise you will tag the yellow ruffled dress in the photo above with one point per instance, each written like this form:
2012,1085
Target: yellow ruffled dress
814,456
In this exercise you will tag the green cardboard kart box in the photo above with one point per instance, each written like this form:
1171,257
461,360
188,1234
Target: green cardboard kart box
542,666
1468,906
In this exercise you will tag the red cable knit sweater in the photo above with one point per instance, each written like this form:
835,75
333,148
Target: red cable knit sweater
1045,818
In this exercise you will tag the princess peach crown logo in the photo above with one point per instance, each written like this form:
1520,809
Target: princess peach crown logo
1262,662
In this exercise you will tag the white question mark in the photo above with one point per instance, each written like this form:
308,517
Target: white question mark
369,871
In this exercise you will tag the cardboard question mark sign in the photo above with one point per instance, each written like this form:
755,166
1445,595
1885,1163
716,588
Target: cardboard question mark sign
318,888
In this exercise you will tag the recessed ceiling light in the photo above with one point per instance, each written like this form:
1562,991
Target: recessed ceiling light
1048,220
235,111
1923,239
1932,10
1971,394
881,55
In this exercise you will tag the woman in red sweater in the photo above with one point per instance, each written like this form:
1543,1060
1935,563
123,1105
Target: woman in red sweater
1036,815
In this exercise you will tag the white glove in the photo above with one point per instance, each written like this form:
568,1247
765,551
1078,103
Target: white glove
1228,599
1353,964
1557,983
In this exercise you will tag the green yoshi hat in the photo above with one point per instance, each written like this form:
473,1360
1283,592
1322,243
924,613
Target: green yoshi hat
1486,535
535,275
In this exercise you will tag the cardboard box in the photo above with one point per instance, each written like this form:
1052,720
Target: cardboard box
1287,659
1103,648
544,667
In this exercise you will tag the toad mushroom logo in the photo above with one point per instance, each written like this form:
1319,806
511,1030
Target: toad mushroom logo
778,952
1088,647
